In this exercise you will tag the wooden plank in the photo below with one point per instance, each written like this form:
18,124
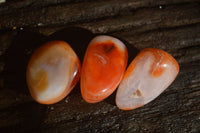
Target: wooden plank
9,6
67,14
146,19
174,28
168,39
142,20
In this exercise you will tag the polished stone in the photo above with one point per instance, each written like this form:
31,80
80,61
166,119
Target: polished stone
148,75
52,72
103,67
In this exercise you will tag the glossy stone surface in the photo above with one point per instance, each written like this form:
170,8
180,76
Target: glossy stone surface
52,72
148,75
103,67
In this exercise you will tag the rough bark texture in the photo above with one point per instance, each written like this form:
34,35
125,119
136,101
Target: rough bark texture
171,25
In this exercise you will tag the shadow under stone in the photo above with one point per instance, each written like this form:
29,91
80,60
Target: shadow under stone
77,38
17,57
28,114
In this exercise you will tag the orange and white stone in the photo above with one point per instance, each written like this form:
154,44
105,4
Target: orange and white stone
52,72
148,75
103,68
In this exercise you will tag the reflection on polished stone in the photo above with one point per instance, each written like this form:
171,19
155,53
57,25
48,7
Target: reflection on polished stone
52,72
148,75
103,67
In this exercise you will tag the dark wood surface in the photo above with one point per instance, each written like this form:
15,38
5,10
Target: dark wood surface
170,25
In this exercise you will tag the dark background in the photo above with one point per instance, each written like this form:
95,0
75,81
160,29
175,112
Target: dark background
170,25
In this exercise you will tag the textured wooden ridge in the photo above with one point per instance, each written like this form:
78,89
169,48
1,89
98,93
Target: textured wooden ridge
173,26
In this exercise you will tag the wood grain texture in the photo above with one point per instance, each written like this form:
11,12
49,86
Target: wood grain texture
173,26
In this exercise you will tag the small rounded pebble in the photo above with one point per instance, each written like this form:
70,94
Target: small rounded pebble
39,24
148,75
52,108
103,67
14,28
52,72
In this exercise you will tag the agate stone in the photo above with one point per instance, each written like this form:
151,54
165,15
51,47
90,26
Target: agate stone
103,68
148,75
52,72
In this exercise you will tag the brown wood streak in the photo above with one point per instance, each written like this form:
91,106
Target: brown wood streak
175,28
13,5
148,19
82,12
169,39
142,20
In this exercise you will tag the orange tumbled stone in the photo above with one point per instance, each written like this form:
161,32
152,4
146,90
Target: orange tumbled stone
103,67
52,72
148,75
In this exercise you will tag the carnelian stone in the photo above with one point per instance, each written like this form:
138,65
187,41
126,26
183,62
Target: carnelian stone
52,72
148,75
103,67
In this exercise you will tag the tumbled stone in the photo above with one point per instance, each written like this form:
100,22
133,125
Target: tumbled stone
52,72
148,75
103,67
